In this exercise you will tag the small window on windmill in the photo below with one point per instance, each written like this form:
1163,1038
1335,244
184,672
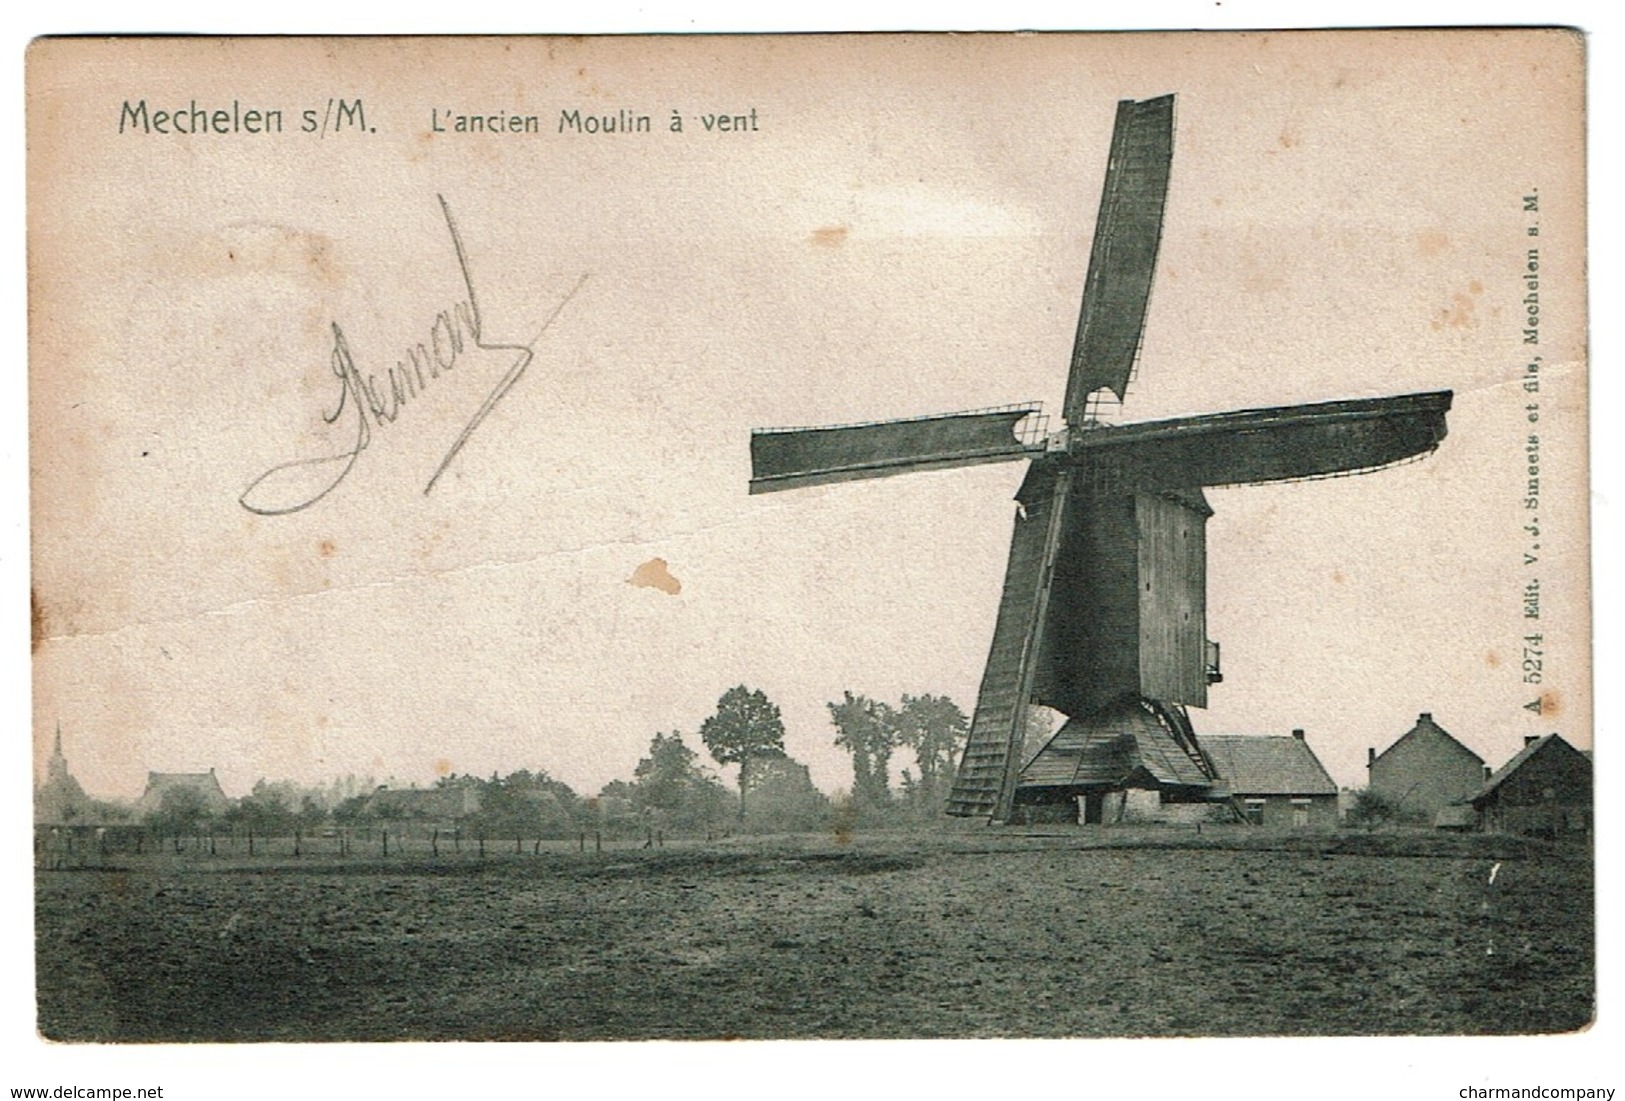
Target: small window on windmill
1255,811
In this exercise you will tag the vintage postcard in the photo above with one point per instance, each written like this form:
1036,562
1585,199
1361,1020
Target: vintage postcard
884,536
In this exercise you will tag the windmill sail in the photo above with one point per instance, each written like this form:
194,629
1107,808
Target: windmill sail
1254,446
787,458
1103,610
986,781
1128,232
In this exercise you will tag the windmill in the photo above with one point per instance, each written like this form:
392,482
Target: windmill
1103,612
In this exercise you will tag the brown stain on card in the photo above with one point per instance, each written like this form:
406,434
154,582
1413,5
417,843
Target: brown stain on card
327,548
36,616
1551,703
654,574
257,248
1462,313
830,236
1492,659
1430,242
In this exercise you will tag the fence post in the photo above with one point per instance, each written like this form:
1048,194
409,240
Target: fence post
434,841
385,835
597,841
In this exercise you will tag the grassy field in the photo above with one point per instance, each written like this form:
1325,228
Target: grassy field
1092,932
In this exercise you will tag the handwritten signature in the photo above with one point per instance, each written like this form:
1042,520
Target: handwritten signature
372,401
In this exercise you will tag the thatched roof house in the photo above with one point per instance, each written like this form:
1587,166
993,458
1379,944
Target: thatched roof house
199,788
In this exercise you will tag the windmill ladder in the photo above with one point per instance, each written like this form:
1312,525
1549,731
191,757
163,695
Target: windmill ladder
985,783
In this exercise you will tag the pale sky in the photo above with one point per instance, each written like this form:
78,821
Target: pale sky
906,233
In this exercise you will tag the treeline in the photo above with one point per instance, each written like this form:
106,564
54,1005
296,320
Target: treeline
932,728
672,787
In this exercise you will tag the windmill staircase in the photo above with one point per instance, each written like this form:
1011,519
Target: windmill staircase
985,782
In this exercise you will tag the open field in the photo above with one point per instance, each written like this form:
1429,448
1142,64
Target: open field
1080,932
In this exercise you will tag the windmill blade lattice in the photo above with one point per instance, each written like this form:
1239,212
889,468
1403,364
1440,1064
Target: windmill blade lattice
1128,233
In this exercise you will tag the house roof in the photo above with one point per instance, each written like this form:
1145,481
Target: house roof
205,784
1254,764
1424,727
1522,757
1123,748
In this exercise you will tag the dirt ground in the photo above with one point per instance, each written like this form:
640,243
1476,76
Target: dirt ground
1083,932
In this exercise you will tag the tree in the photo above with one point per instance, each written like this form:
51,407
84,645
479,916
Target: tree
1372,809
662,778
934,728
352,809
868,730
746,723
266,810
522,803
671,782
180,811
782,793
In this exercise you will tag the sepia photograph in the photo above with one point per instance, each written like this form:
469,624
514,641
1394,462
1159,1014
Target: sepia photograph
810,537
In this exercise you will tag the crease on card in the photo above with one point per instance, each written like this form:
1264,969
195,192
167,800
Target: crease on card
40,616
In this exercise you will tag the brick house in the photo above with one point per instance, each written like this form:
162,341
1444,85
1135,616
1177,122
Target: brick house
1277,779
1424,771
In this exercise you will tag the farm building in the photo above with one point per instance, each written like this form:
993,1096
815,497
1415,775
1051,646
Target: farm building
1545,789
1278,780
199,788
1129,771
1425,771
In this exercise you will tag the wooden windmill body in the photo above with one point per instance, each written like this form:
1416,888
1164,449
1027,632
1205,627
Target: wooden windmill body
1103,613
